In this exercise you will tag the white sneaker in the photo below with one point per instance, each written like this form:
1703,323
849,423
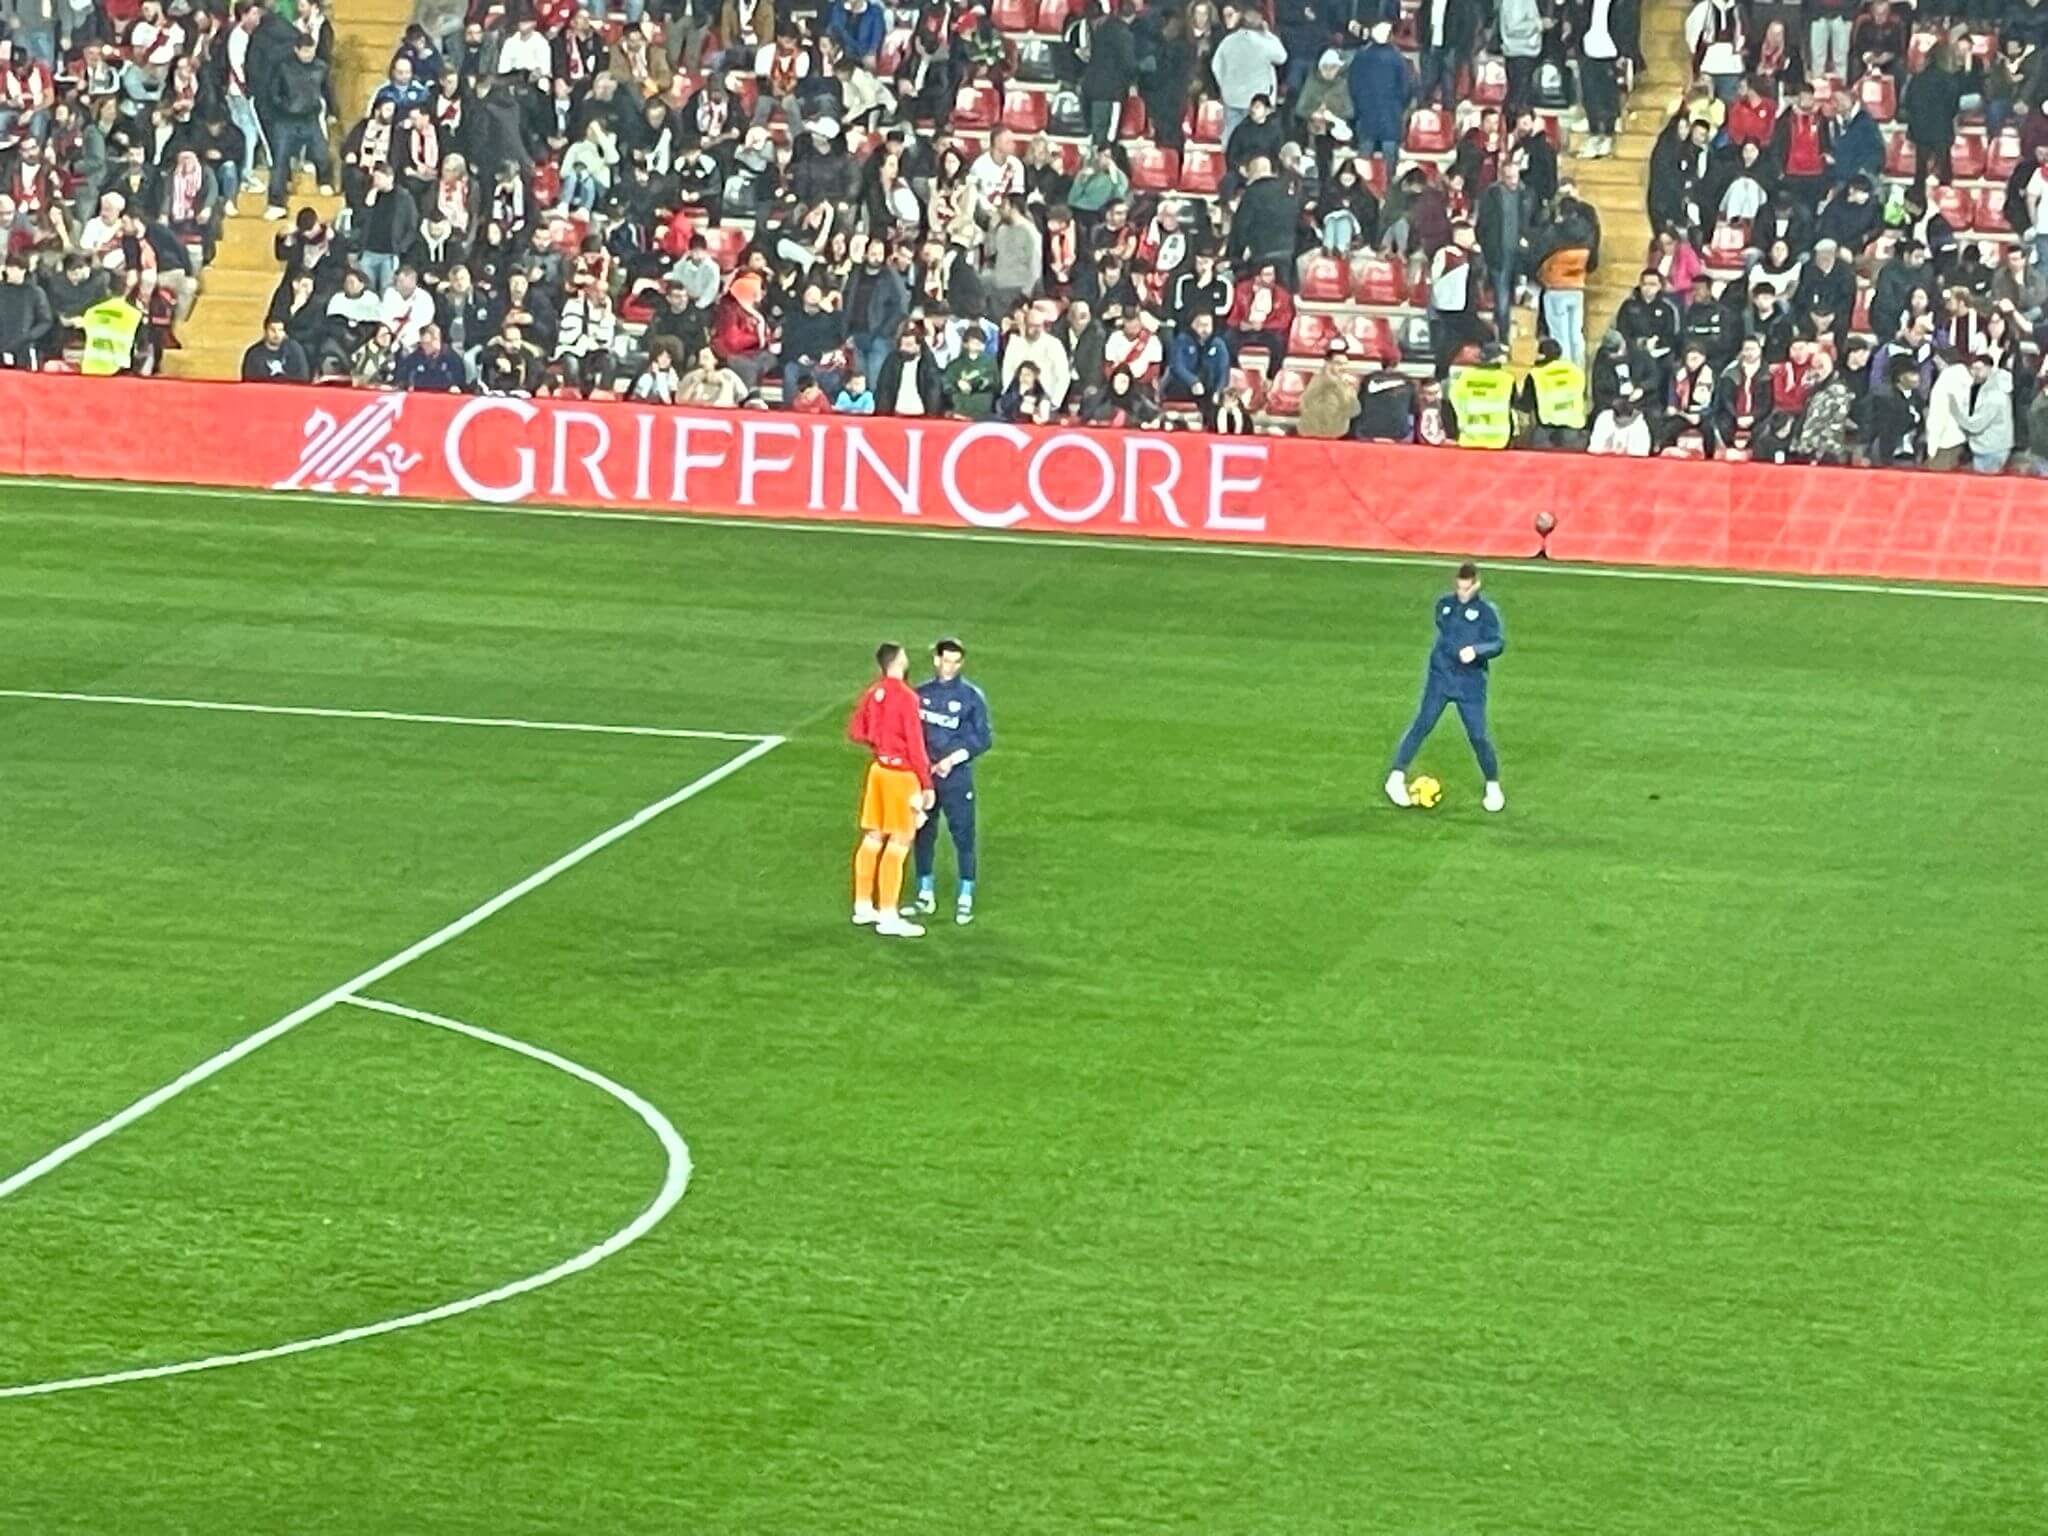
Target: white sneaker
1495,800
890,926
1397,787
865,915
228,210
326,190
273,213
963,913
925,905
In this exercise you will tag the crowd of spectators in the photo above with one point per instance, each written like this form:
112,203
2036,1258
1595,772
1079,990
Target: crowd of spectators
1120,215
127,128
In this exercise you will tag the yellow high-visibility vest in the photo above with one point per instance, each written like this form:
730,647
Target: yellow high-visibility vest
1481,397
1560,393
110,328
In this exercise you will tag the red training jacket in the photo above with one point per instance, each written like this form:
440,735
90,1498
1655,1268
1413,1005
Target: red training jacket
886,722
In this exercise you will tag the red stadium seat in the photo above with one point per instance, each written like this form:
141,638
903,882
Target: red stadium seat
1899,156
725,243
1919,44
1967,154
1154,169
1283,397
1201,170
1025,111
1990,214
1370,336
1325,280
1880,97
1071,155
1253,385
2003,157
1053,14
1205,122
1430,132
1953,204
1132,123
1312,334
1724,253
976,106
1489,81
895,46
1859,316
1014,15
1378,281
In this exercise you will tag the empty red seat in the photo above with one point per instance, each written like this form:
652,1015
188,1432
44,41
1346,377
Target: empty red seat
1899,156
1429,132
1989,216
1283,397
895,45
1724,253
1071,155
1052,16
1966,156
1312,334
1953,204
1325,280
1154,169
977,106
1377,280
1489,81
1201,170
1205,122
1370,336
1132,123
1014,15
1880,97
1025,111
2003,157
725,244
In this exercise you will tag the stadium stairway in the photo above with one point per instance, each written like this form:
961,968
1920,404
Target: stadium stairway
236,290
1619,185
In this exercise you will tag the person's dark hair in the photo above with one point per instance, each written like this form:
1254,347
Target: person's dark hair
887,652
1468,572
946,645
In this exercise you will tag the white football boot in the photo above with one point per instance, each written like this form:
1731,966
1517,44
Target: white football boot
890,926
1495,800
865,915
1397,787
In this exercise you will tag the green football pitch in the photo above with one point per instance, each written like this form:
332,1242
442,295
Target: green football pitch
1662,1155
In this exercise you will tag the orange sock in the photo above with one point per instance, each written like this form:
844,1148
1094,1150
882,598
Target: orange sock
892,876
865,858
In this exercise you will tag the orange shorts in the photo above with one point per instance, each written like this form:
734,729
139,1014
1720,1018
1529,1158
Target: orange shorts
889,802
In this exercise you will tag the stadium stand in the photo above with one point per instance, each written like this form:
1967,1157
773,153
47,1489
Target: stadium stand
805,208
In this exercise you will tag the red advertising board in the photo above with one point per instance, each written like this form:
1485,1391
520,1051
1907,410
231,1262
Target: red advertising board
944,474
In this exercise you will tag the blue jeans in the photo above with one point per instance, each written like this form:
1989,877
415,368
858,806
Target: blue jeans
1989,463
873,352
829,380
1564,317
242,113
1471,712
295,139
579,191
380,270
1504,298
1232,116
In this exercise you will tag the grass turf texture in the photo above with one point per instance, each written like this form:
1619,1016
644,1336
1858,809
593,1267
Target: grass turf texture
1662,1155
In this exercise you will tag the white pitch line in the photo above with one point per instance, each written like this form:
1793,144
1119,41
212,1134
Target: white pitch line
1100,543
673,1185
402,717
51,1161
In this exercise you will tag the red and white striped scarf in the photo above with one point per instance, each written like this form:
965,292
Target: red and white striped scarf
453,200
185,185
425,150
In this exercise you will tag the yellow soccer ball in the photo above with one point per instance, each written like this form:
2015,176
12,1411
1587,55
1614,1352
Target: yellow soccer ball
1424,791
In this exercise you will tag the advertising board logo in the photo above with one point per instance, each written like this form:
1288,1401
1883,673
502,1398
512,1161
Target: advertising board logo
360,456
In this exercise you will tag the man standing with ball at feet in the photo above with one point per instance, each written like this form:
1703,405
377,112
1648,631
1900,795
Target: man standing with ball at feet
1468,637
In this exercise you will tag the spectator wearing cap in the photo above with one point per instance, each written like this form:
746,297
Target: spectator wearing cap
276,359
1382,88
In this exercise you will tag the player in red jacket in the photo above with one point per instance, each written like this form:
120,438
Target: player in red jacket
895,796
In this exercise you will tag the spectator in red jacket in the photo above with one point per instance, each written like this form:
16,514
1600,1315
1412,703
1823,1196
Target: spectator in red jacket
1261,314
1752,116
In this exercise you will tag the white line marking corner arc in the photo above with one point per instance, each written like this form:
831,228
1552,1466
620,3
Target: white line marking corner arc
675,1182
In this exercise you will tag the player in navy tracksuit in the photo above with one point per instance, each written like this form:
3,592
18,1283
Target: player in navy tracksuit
956,732
1468,637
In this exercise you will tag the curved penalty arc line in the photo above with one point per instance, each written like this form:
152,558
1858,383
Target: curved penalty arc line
674,1182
